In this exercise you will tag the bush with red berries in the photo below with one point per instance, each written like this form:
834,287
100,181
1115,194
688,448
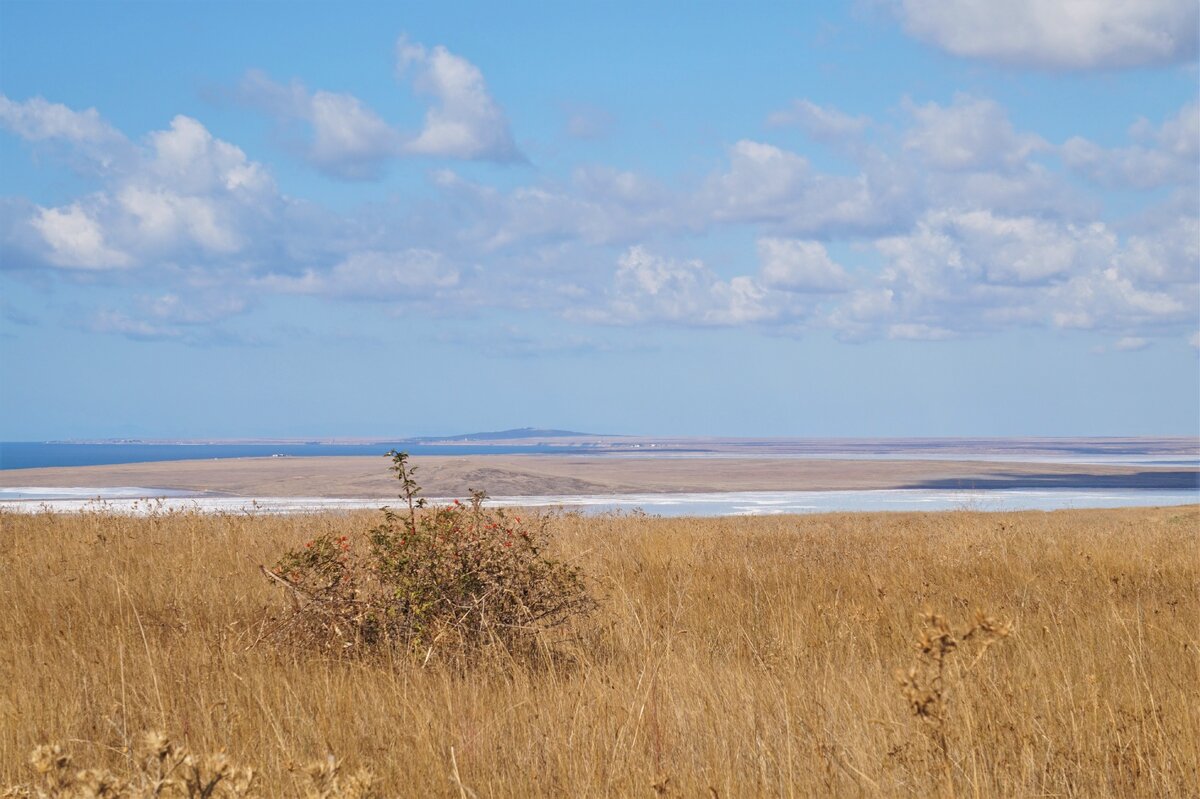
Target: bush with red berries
452,579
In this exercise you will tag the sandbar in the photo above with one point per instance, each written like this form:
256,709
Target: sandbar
542,475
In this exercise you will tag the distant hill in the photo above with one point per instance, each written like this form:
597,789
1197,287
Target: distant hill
505,435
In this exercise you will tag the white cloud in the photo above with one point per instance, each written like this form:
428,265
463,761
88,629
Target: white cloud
345,137
798,265
1025,250
760,177
598,205
821,122
1131,344
464,121
767,184
1179,135
651,288
1164,155
183,192
916,331
1107,299
193,308
966,272
969,134
1135,167
119,323
373,275
76,240
191,160
1168,253
859,316
164,219
193,320
973,236
36,119
92,145
1069,34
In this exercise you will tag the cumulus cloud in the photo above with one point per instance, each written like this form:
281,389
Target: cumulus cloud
1108,299
1066,34
193,308
190,190
651,288
764,183
1009,250
76,240
963,230
596,205
463,121
373,275
983,163
1131,344
1162,155
969,272
194,161
797,265
170,319
344,137
968,134
180,192
1165,254
93,144
120,323
36,119
823,123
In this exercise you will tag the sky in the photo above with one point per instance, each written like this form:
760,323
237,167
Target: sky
872,218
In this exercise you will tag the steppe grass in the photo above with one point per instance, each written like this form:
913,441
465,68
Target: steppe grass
966,654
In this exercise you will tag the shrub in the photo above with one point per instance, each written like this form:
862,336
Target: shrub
453,578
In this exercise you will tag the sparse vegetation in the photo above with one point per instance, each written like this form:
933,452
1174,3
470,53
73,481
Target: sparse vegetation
729,657
166,770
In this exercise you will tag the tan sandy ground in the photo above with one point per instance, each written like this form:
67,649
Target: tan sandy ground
532,475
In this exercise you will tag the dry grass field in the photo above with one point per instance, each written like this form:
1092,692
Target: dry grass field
729,657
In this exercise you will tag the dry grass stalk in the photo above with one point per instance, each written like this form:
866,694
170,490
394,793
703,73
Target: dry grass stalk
926,684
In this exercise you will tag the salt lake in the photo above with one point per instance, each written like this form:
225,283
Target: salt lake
139,500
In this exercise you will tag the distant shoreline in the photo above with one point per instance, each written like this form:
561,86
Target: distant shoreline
533,475
1164,451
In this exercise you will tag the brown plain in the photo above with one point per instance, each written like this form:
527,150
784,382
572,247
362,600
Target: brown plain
730,657
533,475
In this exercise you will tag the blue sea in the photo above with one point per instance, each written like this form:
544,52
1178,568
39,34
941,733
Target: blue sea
33,454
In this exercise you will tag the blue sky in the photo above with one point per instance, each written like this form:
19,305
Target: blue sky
865,218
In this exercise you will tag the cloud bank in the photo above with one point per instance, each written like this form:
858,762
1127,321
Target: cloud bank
946,220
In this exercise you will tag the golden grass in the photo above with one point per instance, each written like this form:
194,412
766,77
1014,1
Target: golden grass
733,657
